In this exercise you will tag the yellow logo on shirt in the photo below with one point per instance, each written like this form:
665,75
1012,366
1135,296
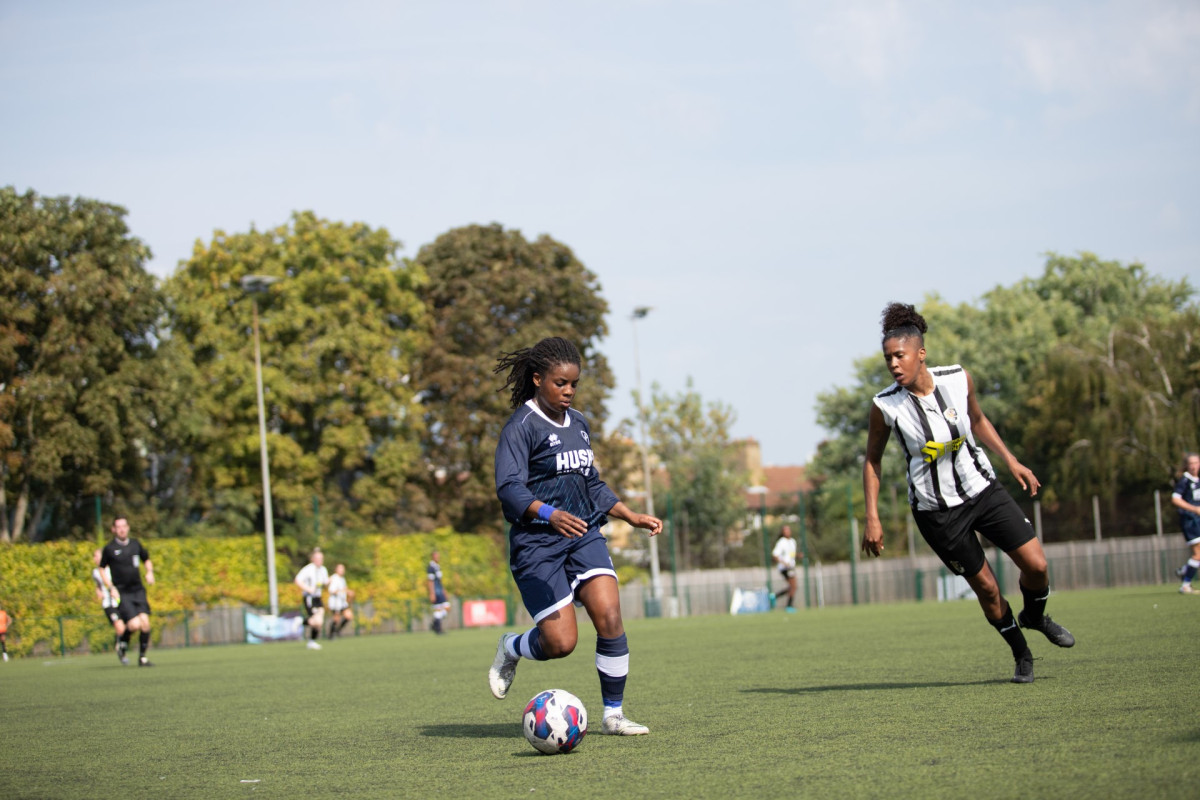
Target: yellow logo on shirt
935,450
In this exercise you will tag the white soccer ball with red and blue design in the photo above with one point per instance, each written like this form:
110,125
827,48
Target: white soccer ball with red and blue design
555,721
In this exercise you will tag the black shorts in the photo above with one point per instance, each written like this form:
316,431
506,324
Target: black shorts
311,604
787,572
133,602
951,533
111,615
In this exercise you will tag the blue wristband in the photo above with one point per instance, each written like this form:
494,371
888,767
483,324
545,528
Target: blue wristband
545,510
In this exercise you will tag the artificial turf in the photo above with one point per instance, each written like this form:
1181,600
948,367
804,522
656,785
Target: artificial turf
906,700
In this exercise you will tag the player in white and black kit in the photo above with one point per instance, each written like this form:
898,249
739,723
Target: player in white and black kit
784,556
340,614
551,493
109,600
1186,498
437,593
951,485
120,560
312,579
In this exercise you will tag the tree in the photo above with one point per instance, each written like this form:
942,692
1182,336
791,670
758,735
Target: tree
339,331
706,483
81,392
492,291
1135,395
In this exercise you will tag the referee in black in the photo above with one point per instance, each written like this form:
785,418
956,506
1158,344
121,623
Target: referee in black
123,556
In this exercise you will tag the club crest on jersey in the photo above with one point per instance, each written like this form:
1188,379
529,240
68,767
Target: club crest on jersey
585,437
951,416
552,440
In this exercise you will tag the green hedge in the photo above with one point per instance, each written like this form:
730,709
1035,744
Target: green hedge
40,583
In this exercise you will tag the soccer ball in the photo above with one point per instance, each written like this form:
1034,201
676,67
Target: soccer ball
555,721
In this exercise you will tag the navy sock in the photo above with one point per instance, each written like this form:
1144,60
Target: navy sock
529,645
612,664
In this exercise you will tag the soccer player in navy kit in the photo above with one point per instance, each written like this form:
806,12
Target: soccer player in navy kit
122,556
437,593
951,484
1186,498
550,491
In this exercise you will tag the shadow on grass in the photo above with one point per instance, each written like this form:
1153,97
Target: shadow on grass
867,687
473,730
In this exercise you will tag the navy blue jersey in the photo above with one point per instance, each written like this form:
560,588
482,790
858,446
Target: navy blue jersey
434,573
1187,490
537,459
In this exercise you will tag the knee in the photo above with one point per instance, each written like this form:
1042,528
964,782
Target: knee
608,624
1034,574
558,646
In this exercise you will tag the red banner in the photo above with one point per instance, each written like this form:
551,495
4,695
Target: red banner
483,613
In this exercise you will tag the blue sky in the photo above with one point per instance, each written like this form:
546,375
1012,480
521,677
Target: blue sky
765,175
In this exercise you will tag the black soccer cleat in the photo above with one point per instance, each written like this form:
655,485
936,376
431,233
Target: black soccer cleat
1024,671
1056,633
144,662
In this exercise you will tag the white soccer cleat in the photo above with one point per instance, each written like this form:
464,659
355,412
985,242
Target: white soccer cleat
503,669
619,725
313,645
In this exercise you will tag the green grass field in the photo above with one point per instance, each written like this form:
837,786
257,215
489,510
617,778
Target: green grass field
882,701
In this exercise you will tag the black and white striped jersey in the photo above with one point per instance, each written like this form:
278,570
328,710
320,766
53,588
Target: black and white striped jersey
946,467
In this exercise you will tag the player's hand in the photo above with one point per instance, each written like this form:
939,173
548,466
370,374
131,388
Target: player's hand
646,522
568,525
1025,477
872,540
150,578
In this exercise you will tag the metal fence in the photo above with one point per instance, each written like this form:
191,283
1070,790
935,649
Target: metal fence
1132,561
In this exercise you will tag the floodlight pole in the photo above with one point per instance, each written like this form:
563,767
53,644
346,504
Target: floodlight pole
252,284
655,580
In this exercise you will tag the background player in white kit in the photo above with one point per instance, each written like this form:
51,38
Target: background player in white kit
784,556
312,579
340,614
109,600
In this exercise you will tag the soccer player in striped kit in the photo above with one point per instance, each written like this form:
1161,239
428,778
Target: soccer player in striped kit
951,485
552,495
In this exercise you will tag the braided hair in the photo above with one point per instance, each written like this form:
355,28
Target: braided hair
541,358
901,321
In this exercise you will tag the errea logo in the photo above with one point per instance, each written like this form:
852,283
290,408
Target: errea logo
552,440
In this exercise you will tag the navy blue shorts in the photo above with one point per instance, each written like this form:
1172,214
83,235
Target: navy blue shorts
1191,527
992,513
548,567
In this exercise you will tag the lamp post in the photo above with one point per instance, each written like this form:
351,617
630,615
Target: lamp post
655,581
252,285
